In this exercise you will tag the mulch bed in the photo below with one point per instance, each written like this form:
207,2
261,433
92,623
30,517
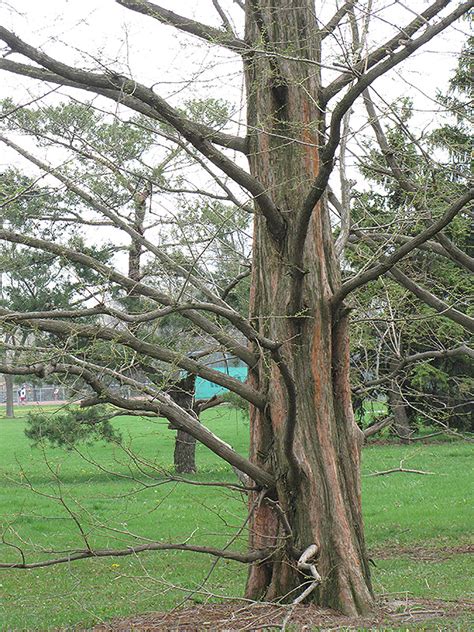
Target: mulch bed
239,616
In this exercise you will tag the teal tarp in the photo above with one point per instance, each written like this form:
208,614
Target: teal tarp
205,389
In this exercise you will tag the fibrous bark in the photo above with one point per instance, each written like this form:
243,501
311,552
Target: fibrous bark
306,434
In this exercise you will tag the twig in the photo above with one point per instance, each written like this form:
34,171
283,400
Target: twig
398,469
304,566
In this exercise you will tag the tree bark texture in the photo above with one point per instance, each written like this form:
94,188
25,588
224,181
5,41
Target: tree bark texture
401,424
9,397
306,435
185,453
185,445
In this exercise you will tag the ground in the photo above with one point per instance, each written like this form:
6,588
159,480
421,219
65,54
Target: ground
418,531
390,614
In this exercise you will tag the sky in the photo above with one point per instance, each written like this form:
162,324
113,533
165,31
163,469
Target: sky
97,33
82,31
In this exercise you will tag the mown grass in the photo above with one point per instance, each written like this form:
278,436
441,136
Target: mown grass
115,499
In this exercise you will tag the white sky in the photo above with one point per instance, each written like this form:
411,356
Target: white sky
86,32
78,30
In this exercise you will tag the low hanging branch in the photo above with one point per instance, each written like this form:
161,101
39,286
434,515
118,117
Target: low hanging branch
161,404
244,558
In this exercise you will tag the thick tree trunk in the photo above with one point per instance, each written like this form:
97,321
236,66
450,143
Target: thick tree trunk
9,397
307,435
401,424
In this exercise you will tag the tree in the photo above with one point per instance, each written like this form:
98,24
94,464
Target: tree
305,445
31,280
122,173
419,359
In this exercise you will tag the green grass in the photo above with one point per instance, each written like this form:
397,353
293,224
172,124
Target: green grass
400,510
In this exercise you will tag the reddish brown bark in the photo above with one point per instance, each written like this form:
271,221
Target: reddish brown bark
306,435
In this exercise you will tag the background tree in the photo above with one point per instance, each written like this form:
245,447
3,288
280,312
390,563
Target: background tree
304,440
418,358
121,173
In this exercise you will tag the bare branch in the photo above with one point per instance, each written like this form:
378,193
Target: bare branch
223,16
99,82
234,283
358,235
127,339
334,22
118,96
244,558
364,80
161,404
137,287
398,469
388,262
378,426
388,48
455,253
413,359
202,405
203,31
433,301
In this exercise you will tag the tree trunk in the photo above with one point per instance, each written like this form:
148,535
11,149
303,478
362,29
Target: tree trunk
185,445
9,397
306,435
401,425
184,453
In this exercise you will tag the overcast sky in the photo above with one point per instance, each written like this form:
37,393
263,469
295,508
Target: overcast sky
89,33
82,31
97,33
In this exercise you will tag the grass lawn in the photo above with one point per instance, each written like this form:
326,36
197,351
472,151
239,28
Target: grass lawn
119,502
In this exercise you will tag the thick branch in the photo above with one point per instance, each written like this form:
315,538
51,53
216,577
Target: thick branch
139,288
408,185
118,96
433,301
378,426
334,22
365,80
431,246
107,81
160,404
203,31
412,359
455,253
125,338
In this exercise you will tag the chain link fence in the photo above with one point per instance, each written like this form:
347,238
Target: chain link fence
39,394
